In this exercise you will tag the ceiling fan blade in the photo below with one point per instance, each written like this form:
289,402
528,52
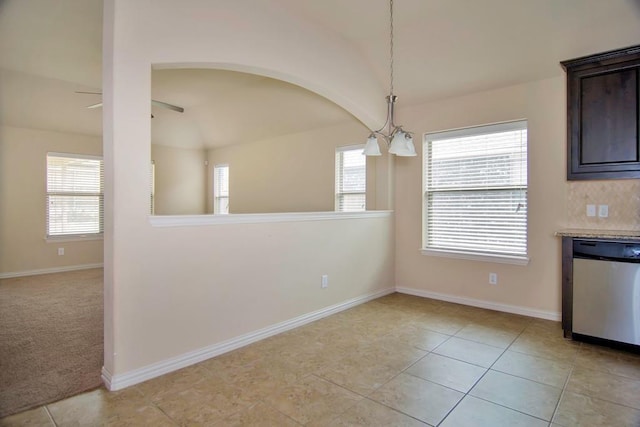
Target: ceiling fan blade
153,102
166,105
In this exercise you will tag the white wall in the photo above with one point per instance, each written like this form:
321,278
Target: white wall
535,287
169,291
180,180
23,189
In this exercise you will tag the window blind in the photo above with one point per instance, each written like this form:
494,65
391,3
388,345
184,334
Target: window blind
475,197
221,189
351,179
75,200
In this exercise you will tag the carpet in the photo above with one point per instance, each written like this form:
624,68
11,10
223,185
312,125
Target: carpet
51,337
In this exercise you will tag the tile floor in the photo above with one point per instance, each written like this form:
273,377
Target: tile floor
396,361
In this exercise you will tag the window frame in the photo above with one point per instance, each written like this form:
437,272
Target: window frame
476,255
48,194
152,188
338,173
216,197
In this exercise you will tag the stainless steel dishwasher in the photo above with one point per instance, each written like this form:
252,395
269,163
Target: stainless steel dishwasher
606,290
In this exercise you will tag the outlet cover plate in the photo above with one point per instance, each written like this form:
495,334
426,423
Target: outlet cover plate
493,279
324,282
603,211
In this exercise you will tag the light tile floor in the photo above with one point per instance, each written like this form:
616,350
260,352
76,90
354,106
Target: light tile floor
396,361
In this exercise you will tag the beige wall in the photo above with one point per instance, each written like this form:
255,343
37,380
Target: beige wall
23,247
535,287
292,173
180,180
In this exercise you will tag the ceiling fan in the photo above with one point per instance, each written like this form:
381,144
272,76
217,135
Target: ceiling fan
153,102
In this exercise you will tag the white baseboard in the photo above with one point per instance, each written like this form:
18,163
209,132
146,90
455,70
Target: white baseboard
515,309
136,376
49,270
106,378
120,381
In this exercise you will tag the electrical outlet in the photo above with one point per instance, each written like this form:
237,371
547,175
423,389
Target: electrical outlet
591,210
493,279
60,251
603,211
324,283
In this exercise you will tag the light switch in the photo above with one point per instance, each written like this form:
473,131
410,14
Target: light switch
591,210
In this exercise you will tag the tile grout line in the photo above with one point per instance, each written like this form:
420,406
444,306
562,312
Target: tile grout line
490,368
367,396
259,401
46,409
477,381
566,382
441,355
574,365
511,409
278,411
485,373
165,414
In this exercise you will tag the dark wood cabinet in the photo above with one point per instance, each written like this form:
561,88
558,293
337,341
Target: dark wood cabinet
567,286
603,115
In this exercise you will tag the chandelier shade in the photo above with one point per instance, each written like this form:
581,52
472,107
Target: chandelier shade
402,145
372,148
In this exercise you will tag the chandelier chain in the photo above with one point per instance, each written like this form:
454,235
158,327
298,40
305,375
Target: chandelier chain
399,141
391,48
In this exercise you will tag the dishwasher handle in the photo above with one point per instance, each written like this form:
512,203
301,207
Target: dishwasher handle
607,250
606,258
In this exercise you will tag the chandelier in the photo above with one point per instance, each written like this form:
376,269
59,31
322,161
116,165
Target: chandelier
399,141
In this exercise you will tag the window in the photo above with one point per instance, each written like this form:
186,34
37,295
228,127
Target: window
221,189
475,191
75,200
351,179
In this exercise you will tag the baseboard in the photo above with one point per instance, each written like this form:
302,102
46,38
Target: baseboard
120,381
50,270
106,378
515,309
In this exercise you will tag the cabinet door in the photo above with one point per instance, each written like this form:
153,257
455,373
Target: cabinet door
608,125
603,118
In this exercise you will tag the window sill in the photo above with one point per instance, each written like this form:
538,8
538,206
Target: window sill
199,220
76,238
477,256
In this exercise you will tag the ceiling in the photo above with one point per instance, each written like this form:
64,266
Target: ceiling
443,48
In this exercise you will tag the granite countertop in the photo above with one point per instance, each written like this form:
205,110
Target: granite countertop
599,234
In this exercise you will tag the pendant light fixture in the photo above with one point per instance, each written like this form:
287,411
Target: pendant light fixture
399,141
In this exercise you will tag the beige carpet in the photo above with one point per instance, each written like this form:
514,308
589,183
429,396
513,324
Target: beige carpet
51,337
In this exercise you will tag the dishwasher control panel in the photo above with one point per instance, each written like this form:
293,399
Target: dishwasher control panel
607,250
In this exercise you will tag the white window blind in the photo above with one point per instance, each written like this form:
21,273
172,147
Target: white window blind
475,190
351,179
221,189
75,200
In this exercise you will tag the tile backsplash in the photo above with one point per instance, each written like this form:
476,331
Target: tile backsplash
622,196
